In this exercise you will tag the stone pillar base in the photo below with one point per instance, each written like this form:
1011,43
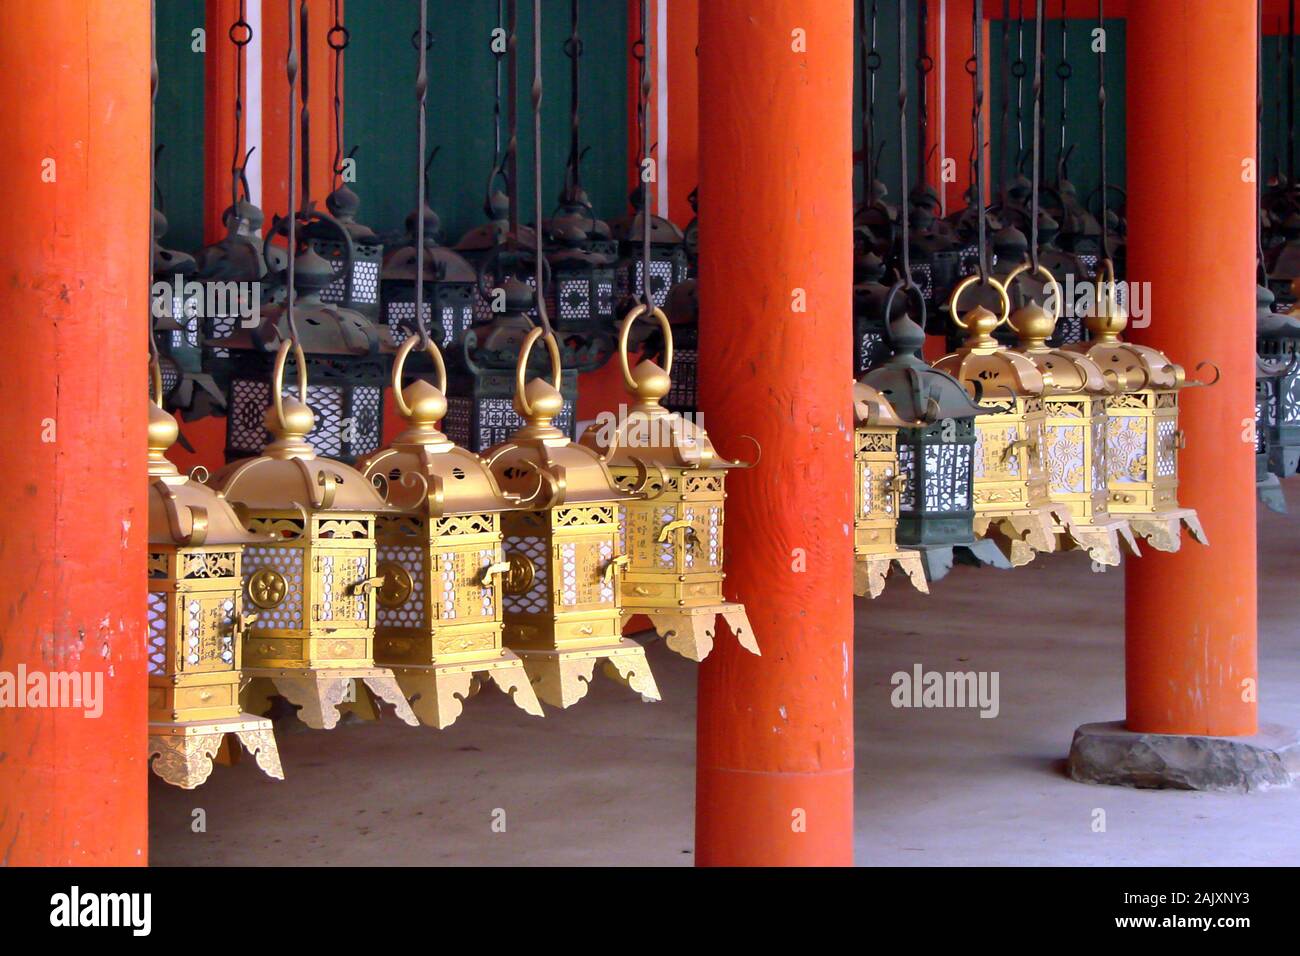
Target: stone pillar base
1107,753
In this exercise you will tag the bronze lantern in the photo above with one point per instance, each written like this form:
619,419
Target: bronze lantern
439,614
1074,436
313,583
562,602
1010,481
878,483
673,535
195,622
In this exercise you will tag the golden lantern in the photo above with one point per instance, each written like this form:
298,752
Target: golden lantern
313,583
673,536
1010,481
196,618
878,482
439,610
562,605
1074,449
1142,434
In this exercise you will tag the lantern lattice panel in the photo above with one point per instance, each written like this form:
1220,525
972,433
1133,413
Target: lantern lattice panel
341,432
157,616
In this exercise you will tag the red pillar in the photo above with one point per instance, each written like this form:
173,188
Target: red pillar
1191,616
775,734
73,289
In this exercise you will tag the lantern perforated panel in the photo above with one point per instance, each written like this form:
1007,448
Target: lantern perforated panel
683,396
157,649
1126,445
286,562
1166,449
348,419
537,599
480,424
948,474
365,274
662,279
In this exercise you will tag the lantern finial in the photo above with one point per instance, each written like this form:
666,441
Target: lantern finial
163,432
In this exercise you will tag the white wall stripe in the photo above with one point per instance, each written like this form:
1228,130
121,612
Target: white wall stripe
661,103
253,103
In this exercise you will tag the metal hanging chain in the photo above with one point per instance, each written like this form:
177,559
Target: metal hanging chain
1101,125
305,111
1038,116
338,38
511,159
540,262
643,121
924,64
975,66
421,92
498,56
1290,94
1063,72
871,61
573,50
1277,109
904,212
1018,70
153,167
241,34
291,72
1006,103
1261,274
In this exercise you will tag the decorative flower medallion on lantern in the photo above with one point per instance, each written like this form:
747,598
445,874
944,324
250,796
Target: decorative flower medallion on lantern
1010,481
1074,450
1142,434
196,619
878,483
673,536
439,609
314,584
935,512
562,603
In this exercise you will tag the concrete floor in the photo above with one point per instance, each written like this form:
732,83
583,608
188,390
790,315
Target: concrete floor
611,781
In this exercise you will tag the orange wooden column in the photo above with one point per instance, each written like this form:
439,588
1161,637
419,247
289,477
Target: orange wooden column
1191,616
775,734
73,290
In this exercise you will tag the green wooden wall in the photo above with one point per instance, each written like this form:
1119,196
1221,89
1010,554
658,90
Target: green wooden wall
180,121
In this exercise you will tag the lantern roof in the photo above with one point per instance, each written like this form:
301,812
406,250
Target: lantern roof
663,232
1138,366
984,360
917,391
168,261
872,410
440,264
184,512
1274,325
540,464
1065,371
343,204
288,475
428,474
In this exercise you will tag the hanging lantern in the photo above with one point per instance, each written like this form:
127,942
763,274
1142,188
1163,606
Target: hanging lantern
354,263
691,235
439,609
227,270
562,603
667,255
673,536
1074,436
1278,344
878,484
935,510
683,312
345,356
1267,485
1143,438
1010,481
196,621
580,295
870,336
314,583
176,308
449,282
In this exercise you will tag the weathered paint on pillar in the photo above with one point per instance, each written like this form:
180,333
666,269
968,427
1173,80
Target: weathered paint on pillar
1191,616
775,734
74,293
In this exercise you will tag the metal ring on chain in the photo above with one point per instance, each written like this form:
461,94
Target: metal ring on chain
428,40
521,368
1003,299
628,320
1052,300
240,28
339,28
399,366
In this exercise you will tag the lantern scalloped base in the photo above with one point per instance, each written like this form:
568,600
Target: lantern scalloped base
1270,494
1161,530
319,692
561,677
1022,535
182,754
689,631
438,692
1101,539
870,571
938,559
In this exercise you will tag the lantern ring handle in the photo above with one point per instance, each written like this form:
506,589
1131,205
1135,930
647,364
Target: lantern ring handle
277,377
1053,299
399,366
521,368
909,289
633,314
969,281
